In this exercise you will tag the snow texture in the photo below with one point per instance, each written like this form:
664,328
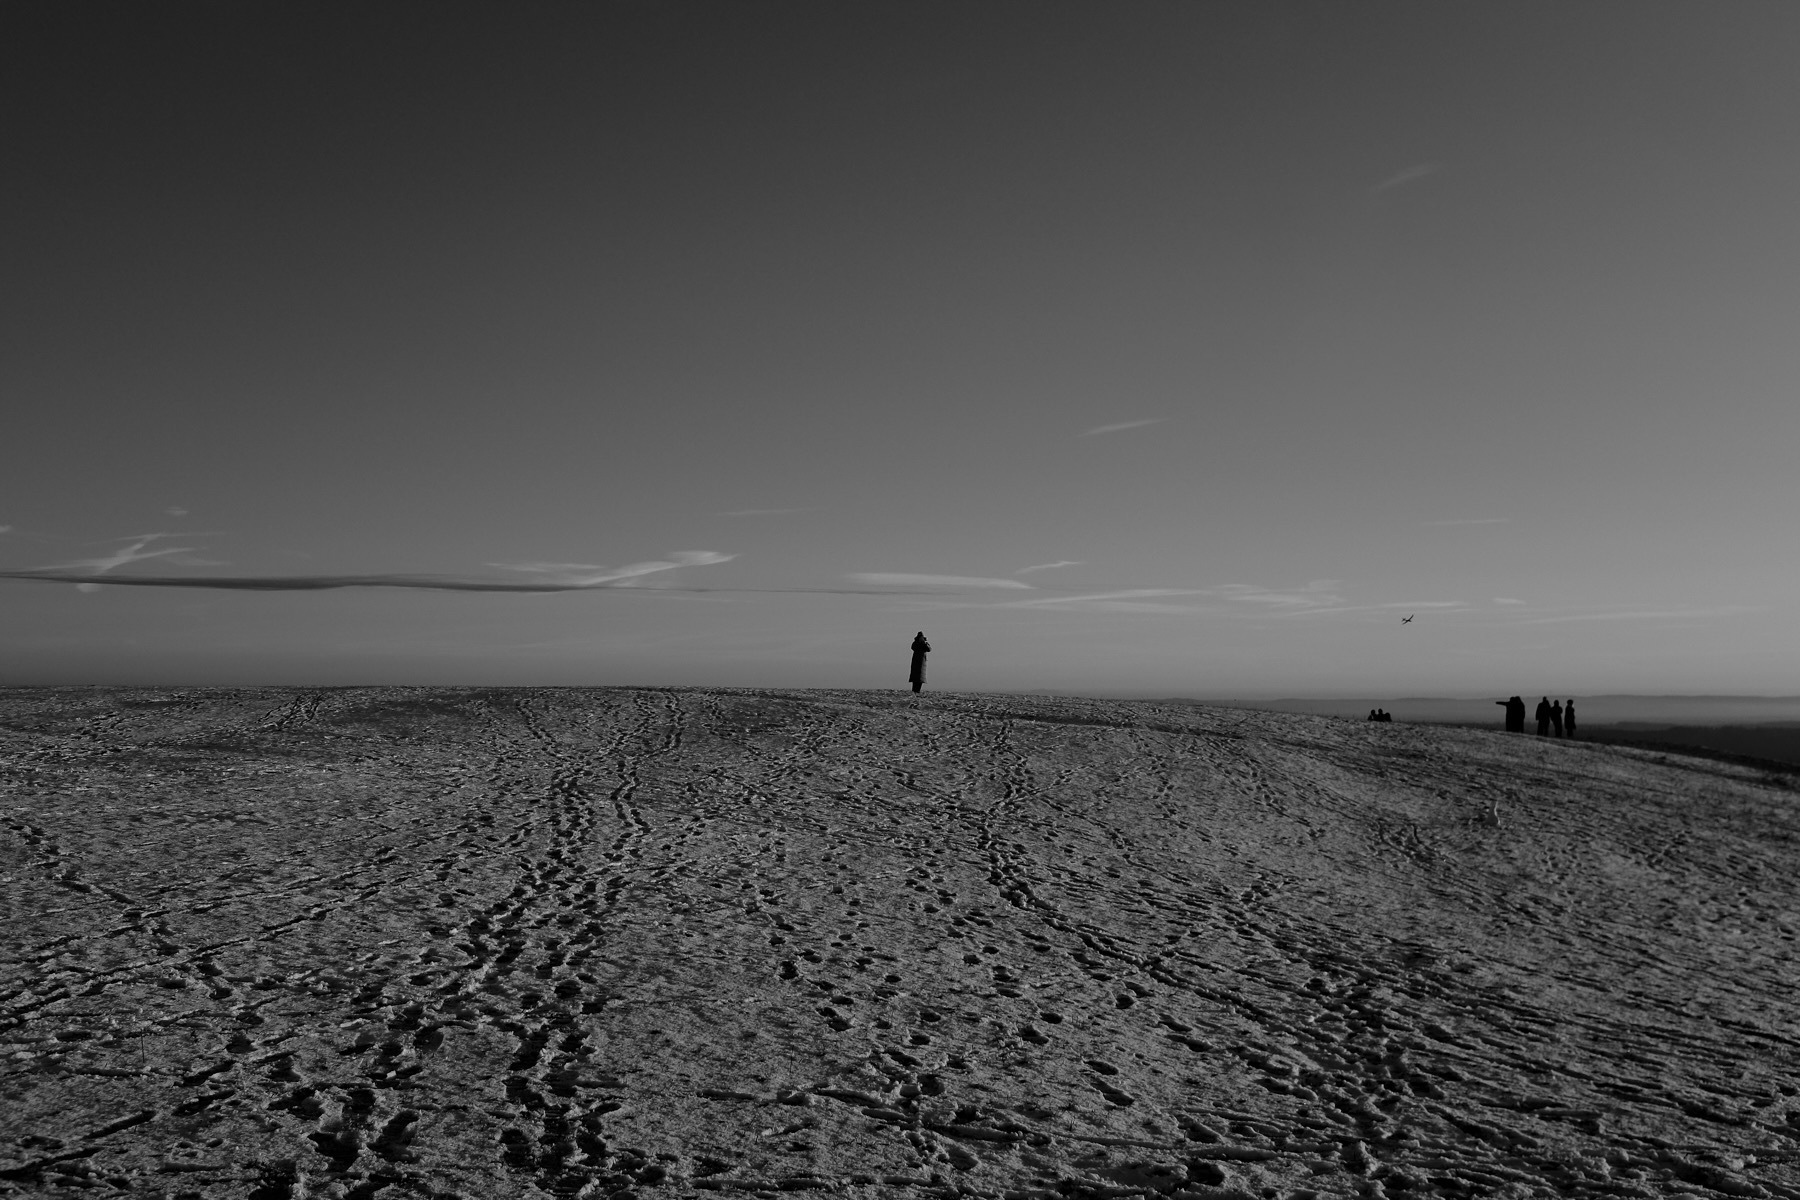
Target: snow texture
498,943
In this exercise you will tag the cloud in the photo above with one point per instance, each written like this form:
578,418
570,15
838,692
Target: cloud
893,579
15,531
1319,593
762,512
1047,567
1318,599
1232,601
1411,174
1116,427
132,551
1650,614
1470,521
175,510
1506,600
1228,599
1144,600
1137,606
550,568
580,575
564,577
1129,593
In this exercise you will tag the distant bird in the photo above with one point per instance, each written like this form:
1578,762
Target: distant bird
1407,620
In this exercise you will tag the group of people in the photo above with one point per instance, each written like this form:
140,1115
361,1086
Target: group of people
1552,719
1558,717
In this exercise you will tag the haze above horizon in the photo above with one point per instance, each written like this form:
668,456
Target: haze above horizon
1160,349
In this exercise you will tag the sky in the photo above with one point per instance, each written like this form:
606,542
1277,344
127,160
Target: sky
1143,349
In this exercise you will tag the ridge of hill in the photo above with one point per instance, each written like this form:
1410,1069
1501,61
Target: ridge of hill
527,942
1754,730
1595,710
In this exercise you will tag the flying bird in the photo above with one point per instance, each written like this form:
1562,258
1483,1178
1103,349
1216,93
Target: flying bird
1407,620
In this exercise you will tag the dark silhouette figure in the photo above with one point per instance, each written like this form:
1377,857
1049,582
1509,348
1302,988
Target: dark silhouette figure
1515,714
1569,717
1382,714
920,649
1374,715
1543,716
1556,718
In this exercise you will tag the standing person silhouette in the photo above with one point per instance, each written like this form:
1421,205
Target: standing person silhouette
1556,718
920,648
1543,716
1569,717
1515,714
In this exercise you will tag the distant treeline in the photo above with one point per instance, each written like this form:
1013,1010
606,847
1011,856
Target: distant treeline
1763,743
1759,728
1773,746
1659,711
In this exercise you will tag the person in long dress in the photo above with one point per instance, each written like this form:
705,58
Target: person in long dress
920,648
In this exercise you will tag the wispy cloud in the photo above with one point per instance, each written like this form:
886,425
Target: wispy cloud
1320,593
1228,600
1508,614
896,579
1411,174
1141,600
175,510
1119,426
133,551
1470,521
5,528
81,571
1047,566
1647,614
762,512
560,577
580,575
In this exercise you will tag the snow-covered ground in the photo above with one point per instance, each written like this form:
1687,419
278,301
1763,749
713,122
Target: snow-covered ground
494,943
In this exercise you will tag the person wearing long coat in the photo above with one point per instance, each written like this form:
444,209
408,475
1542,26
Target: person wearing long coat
1515,714
1543,717
920,648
